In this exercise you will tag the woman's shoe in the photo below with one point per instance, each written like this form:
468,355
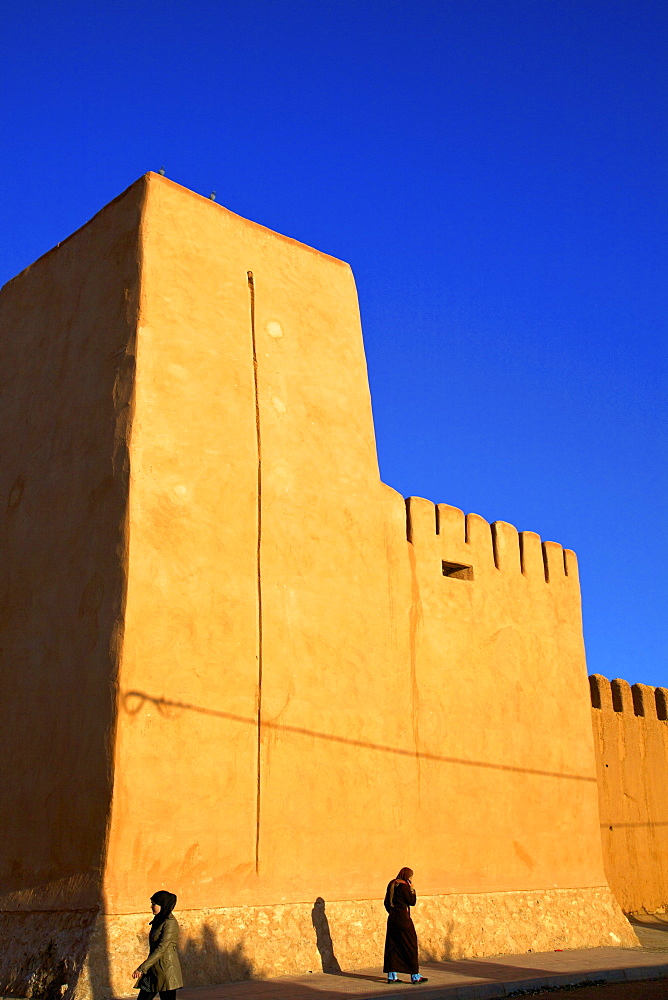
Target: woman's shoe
422,979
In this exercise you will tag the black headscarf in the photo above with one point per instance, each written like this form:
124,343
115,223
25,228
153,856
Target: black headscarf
166,901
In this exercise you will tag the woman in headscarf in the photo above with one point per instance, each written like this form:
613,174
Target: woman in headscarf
161,971
401,947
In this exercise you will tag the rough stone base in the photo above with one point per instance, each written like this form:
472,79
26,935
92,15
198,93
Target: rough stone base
260,941
44,952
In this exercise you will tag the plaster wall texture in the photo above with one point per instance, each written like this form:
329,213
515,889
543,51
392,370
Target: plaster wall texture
296,683
631,733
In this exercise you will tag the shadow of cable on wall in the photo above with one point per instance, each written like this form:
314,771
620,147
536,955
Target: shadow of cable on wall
135,701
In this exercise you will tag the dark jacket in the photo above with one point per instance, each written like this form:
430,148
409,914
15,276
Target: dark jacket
162,967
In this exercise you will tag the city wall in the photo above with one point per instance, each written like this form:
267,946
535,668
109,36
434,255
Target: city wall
631,733
245,669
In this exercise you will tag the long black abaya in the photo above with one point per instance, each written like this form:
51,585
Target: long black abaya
401,947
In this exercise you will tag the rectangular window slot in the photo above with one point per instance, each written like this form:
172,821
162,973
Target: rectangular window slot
457,571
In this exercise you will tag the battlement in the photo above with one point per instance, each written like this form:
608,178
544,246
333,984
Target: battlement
466,546
631,699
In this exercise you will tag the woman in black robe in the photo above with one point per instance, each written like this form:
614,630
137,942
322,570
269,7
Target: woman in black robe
401,947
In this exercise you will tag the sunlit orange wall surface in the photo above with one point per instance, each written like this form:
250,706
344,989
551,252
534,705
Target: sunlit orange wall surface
405,717
305,702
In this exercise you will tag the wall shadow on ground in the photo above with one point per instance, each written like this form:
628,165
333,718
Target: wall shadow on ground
290,988
481,968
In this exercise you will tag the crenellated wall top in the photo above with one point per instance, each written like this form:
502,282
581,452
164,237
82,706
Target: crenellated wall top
468,546
619,696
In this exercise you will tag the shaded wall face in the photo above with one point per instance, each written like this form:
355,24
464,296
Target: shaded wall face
631,737
67,328
307,701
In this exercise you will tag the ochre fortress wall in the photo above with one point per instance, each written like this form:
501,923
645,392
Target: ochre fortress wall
237,664
631,732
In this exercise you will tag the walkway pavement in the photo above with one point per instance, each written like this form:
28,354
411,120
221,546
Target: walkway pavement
651,929
467,979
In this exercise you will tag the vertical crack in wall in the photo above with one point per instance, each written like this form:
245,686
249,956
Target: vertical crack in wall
258,440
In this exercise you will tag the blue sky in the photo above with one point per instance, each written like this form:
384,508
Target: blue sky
495,173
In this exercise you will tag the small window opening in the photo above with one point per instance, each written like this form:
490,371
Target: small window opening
457,571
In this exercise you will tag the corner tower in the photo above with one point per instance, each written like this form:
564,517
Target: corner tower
228,670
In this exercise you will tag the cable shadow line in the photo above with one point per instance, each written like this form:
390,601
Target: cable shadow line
651,822
161,703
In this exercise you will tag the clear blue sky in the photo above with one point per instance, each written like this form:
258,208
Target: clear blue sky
495,173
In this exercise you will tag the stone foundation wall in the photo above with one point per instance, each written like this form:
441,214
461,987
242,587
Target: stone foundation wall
249,942
44,952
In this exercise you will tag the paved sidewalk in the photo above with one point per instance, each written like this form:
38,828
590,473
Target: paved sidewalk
467,979
651,930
